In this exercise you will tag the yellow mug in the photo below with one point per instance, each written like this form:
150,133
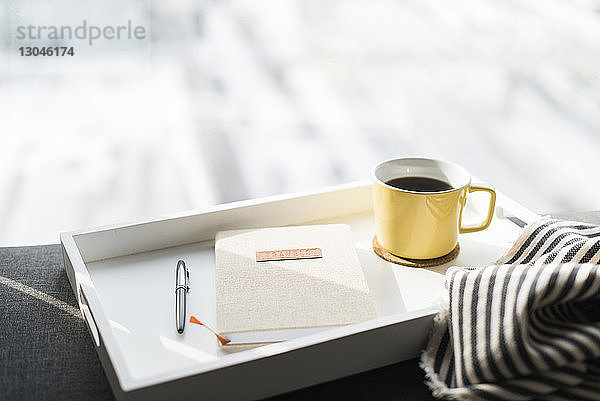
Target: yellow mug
418,204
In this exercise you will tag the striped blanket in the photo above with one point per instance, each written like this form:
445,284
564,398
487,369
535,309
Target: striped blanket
527,328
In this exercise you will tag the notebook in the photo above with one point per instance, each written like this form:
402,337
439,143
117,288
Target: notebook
276,284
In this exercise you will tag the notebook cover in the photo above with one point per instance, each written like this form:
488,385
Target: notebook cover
330,290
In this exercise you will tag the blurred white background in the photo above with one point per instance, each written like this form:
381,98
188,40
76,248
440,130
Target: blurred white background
228,100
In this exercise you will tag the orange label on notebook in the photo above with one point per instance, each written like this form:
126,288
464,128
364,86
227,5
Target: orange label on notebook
287,254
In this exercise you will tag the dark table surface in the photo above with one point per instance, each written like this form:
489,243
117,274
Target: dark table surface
46,353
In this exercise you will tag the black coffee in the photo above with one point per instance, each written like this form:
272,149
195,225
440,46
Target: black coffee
419,184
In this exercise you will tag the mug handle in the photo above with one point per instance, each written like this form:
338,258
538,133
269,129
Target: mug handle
488,220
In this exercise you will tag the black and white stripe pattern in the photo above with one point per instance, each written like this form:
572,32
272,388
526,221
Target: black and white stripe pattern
527,328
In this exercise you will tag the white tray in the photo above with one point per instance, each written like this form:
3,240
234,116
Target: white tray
123,277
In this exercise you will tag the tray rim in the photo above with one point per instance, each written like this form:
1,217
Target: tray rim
89,301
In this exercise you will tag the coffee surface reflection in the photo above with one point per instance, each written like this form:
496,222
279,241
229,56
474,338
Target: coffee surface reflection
419,184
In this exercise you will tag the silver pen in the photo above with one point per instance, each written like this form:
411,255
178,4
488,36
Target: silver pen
182,287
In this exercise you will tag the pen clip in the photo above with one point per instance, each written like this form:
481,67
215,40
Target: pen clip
182,268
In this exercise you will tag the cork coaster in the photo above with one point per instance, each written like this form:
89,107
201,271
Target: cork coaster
414,262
